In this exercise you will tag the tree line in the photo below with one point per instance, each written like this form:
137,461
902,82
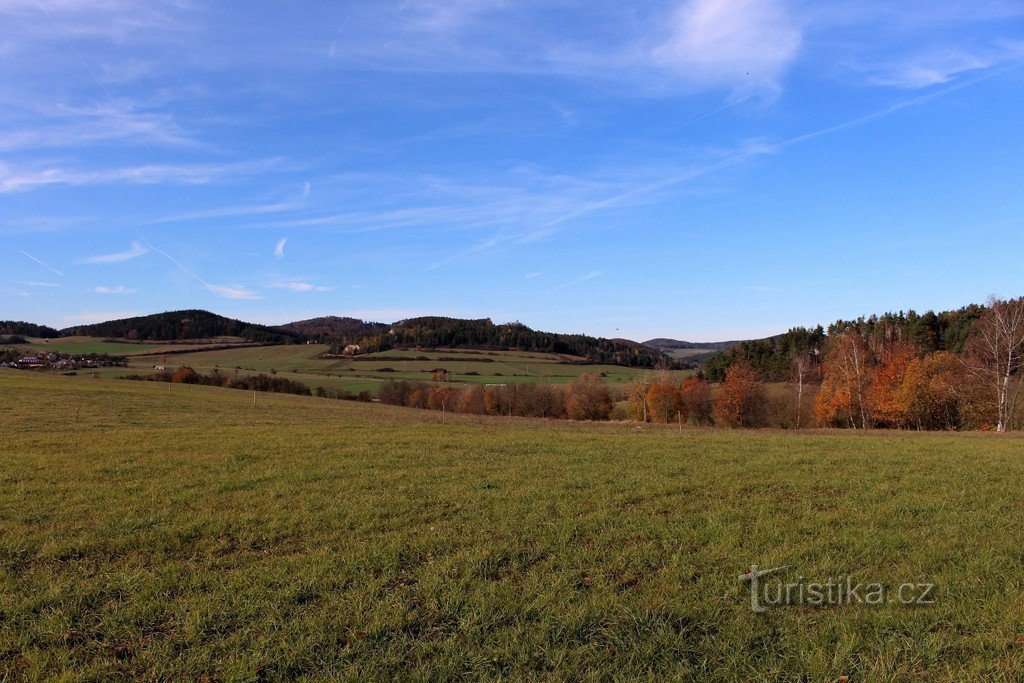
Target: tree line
879,372
441,332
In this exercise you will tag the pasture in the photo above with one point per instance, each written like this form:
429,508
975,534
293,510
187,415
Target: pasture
303,363
177,532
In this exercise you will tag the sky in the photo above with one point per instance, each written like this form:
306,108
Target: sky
697,169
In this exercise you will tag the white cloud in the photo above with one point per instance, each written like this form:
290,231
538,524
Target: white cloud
743,44
300,286
137,249
119,289
232,291
279,248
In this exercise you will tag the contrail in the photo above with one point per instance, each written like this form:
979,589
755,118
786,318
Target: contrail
43,264
89,70
175,262
769,148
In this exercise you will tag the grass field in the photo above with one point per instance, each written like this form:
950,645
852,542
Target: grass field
177,532
87,345
303,362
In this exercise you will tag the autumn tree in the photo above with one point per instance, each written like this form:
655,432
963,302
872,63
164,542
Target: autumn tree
662,401
184,375
741,399
846,370
636,399
473,401
886,381
931,393
996,355
695,400
588,399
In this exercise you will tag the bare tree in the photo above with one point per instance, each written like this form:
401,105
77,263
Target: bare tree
801,372
996,354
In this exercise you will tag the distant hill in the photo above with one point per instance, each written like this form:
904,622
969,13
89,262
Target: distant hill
24,329
483,333
177,325
667,345
334,326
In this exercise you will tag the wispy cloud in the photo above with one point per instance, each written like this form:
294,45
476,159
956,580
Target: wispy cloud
279,248
232,291
194,174
33,283
136,250
940,66
43,264
583,278
529,276
300,286
119,289
67,126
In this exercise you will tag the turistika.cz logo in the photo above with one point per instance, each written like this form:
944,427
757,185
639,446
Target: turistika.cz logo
768,589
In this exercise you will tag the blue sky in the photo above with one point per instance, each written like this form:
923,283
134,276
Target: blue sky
705,169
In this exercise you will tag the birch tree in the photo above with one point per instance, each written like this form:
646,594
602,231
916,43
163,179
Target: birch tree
996,354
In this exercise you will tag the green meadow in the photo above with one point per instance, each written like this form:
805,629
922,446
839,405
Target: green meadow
154,531
305,363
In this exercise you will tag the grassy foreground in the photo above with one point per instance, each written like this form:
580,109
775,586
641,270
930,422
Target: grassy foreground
182,534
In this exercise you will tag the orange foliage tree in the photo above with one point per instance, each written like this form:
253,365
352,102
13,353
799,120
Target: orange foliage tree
741,399
695,400
884,385
846,370
930,393
662,401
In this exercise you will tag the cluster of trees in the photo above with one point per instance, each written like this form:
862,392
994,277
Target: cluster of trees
190,324
873,379
773,358
440,332
217,378
587,398
270,383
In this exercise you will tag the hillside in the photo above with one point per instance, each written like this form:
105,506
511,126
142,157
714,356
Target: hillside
188,324
334,326
483,333
666,345
23,329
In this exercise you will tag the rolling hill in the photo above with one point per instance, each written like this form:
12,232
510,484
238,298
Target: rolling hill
187,324
334,326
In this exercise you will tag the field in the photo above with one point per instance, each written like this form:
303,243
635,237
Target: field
87,345
302,362
177,532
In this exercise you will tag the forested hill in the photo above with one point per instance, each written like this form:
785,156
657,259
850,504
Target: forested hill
24,329
484,334
331,326
663,344
773,357
191,324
